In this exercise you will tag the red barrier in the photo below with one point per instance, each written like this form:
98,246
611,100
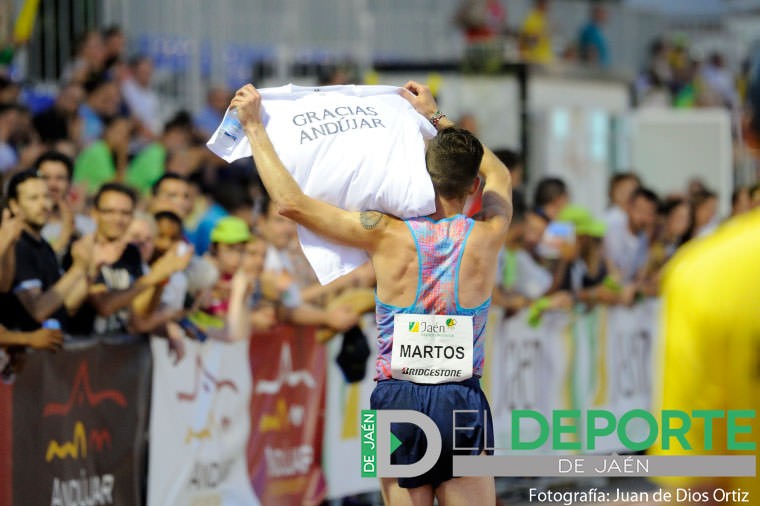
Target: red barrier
287,417
6,443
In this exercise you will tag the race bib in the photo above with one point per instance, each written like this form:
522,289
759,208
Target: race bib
431,348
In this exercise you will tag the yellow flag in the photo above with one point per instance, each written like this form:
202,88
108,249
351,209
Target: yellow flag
25,21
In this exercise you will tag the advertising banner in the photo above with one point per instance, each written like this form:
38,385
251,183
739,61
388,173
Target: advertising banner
530,370
79,421
345,402
287,409
200,426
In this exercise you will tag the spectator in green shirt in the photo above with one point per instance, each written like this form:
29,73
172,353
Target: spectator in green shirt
150,163
105,160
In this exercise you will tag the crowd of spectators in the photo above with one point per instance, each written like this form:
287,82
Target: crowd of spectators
559,256
116,220
490,36
676,73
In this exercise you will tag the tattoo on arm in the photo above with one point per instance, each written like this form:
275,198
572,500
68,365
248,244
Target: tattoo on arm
370,219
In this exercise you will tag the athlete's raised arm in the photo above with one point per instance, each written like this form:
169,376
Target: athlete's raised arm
359,229
497,191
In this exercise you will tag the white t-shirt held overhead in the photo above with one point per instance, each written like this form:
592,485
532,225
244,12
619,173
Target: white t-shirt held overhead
357,147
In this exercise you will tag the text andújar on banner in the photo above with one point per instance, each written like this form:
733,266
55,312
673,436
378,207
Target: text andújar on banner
285,447
199,425
79,422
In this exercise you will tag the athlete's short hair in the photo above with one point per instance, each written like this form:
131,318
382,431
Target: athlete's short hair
453,161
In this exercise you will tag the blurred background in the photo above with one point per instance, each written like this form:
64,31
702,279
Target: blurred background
583,89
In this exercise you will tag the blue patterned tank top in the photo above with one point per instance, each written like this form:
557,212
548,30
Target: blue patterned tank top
440,245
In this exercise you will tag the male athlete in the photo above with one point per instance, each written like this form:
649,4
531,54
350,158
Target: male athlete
435,275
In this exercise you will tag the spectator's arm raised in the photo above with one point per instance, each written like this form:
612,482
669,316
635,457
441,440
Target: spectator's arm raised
10,230
107,302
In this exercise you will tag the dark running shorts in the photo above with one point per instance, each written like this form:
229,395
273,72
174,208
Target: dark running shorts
438,402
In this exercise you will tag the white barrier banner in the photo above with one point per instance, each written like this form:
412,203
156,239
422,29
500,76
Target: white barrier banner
199,426
600,359
342,446
621,354
529,369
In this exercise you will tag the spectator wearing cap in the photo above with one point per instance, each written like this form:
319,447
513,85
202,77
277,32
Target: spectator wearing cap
591,277
228,246
229,200
224,309
64,225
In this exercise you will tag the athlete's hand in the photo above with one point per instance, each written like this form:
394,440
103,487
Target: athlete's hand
420,97
247,102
